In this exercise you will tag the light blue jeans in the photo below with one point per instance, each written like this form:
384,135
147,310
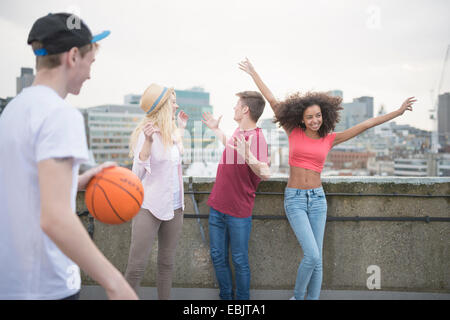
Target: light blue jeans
306,211
225,232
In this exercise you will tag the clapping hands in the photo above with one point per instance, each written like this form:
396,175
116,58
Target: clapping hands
242,146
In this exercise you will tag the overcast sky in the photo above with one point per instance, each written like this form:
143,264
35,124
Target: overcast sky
389,49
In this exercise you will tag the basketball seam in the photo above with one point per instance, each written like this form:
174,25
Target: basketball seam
110,204
118,185
93,192
92,196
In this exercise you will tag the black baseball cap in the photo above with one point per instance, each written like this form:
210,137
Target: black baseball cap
60,32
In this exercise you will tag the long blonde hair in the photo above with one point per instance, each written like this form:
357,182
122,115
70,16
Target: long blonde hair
161,119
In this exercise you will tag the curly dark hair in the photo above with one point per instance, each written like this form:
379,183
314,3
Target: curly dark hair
289,114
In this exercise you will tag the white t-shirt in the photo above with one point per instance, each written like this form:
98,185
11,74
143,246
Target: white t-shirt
36,125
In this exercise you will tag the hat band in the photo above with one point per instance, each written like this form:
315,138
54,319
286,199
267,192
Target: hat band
157,100
41,52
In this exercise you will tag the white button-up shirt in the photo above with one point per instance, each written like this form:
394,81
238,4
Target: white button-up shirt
156,174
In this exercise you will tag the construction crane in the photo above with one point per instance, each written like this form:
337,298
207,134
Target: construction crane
434,111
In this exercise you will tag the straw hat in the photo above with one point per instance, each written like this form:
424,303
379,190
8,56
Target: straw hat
154,97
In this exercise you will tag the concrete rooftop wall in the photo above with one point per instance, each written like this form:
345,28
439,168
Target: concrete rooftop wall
411,255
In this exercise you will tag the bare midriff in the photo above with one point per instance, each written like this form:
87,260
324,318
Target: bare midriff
301,178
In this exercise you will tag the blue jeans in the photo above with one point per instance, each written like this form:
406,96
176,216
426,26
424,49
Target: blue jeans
306,211
227,231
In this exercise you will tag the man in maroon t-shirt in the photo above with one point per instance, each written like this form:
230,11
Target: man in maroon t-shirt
244,164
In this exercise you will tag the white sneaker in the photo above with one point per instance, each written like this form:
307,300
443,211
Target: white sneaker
292,298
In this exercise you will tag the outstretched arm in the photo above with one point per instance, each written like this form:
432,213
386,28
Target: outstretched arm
370,123
265,91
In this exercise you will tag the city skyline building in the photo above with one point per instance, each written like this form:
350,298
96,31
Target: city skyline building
355,112
4,102
336,93
134,99
25,79
443,120
194,102
108,130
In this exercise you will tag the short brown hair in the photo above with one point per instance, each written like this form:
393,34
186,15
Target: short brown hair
255,102
54,60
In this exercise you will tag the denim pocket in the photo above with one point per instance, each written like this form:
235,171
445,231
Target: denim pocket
319,202
289,200
321,194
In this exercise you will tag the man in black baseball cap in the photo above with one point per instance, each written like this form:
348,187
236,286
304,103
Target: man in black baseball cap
55,34
42,144
62,43
60,32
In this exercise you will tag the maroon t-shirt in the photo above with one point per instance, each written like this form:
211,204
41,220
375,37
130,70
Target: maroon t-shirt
233,192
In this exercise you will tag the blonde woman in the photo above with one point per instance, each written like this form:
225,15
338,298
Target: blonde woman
156,147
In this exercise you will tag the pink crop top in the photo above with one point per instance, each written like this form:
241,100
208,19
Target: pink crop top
308,153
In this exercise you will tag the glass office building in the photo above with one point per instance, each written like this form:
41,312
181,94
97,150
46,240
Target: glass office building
195,102
108,129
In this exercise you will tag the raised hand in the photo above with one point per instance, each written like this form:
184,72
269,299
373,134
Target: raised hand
407,105
149,129
210,121
182,119
246,66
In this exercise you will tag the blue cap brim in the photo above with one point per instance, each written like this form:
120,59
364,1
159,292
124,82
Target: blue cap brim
100,36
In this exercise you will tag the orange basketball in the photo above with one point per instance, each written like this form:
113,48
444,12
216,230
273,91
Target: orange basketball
114,195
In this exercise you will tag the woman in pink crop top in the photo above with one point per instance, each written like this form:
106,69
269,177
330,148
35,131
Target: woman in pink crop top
309,120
